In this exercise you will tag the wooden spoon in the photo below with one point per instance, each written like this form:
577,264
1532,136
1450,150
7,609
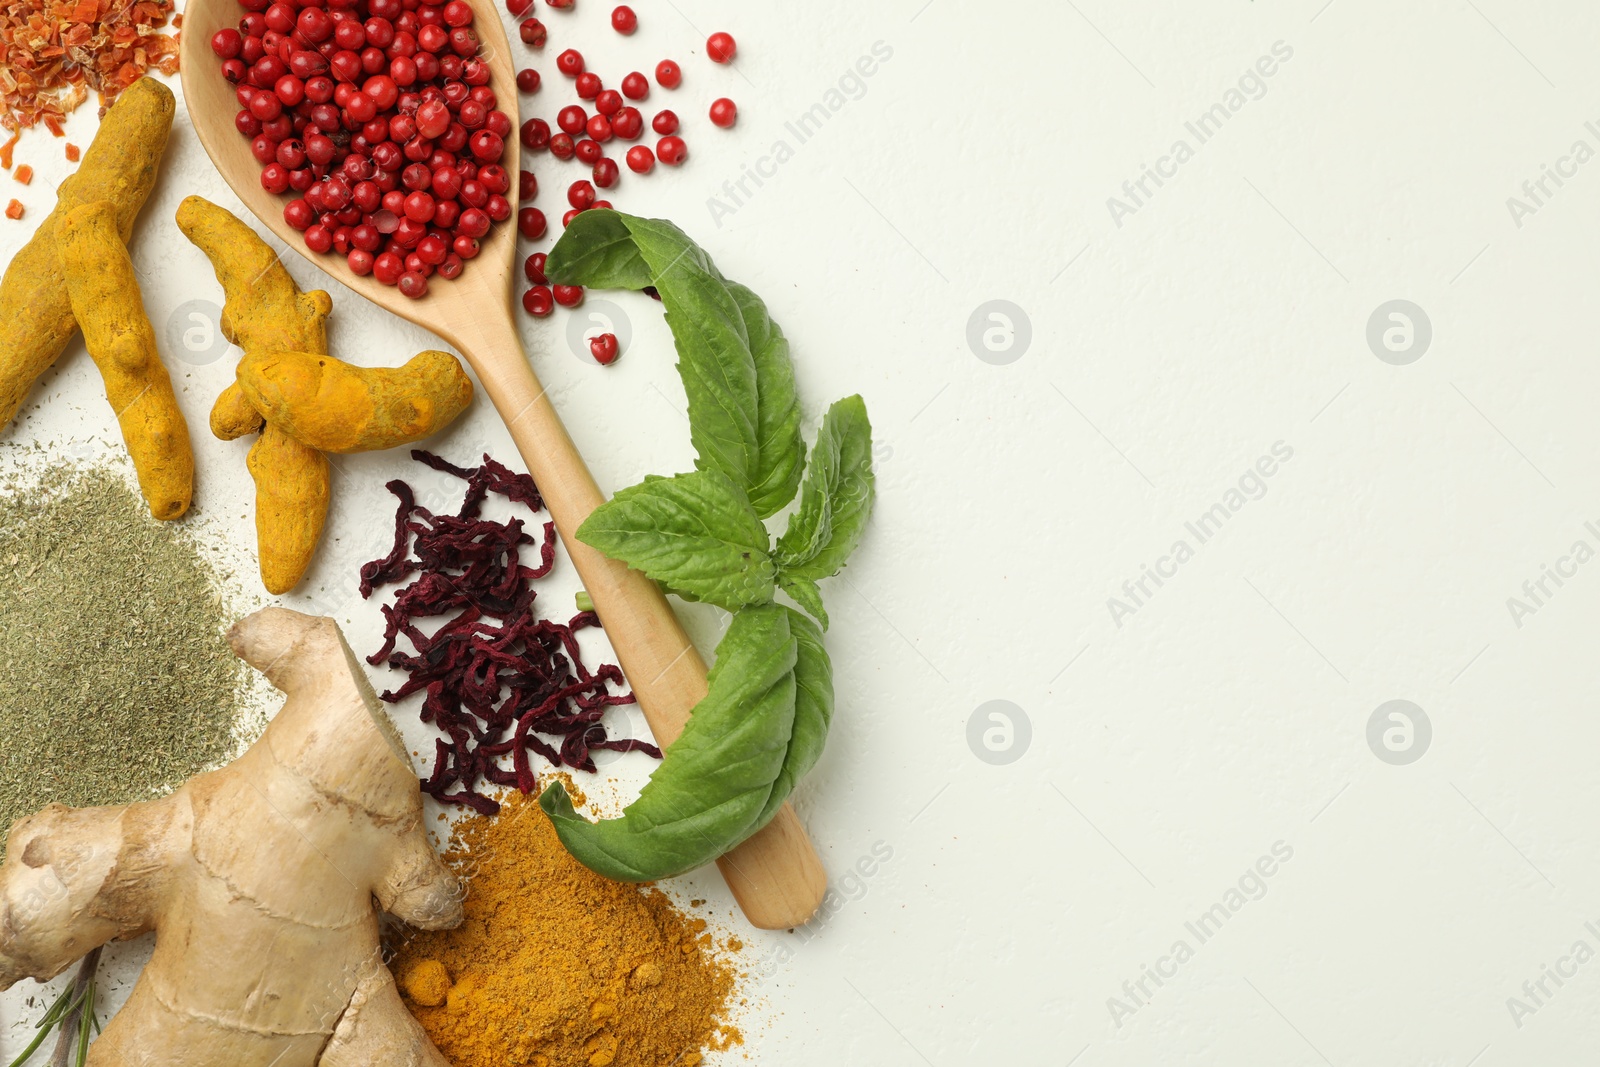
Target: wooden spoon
775,875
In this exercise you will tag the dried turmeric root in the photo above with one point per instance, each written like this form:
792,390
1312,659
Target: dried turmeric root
260,882
36,319
293,484
330,405
106,303
232,416
265,311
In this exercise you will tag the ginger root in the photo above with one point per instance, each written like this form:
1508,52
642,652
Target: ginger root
36,320
330,405
259,881
107,304
265,311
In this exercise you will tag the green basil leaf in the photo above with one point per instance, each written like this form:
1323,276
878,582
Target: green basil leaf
806,594
744,414
836,500
694,533
813,712
711,789
600,252
781,451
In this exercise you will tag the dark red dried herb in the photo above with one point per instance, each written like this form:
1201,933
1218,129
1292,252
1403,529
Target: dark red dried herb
494,677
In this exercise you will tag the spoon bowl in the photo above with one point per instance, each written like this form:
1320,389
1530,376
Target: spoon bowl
450,308
775,876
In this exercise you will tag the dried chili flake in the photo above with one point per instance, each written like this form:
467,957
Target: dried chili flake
53,52
24,174
497,681
14,209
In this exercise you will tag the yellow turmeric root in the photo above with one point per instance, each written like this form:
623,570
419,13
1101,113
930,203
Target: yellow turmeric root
293,484
232,416
262,882
330,405
265,311
35,315
108,307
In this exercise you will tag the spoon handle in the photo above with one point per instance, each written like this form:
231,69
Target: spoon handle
776,875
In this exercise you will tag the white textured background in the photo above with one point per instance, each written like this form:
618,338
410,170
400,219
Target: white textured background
1150,764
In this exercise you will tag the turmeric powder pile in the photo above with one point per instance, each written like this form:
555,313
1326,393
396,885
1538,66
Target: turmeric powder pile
556,966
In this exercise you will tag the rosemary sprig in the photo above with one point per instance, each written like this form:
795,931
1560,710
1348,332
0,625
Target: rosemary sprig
73,1015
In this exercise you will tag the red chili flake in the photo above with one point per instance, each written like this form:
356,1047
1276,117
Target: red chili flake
73,154
24,174
53,52
14,209
494,676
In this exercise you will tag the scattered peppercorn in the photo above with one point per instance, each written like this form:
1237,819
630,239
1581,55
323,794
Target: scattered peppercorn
538,301
570,63
587,129
603,347
672,151
641,160
721,47
635,86
531,223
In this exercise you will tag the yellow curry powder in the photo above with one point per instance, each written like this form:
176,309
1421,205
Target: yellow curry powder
556,966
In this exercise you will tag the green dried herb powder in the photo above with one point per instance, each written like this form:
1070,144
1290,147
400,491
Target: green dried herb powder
116,681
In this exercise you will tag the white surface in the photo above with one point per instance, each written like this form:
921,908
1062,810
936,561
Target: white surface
1170,753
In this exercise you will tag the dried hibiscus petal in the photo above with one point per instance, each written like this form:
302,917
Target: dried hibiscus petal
495,679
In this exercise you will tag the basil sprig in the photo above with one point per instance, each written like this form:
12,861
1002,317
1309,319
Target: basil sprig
764,722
